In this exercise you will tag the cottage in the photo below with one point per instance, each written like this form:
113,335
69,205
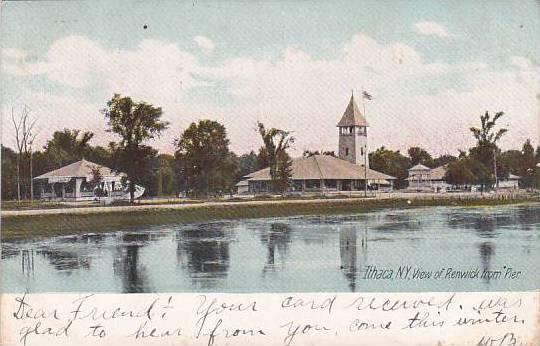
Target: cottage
76,182
324,173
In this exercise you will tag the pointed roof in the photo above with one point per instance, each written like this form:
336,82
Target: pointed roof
79,169
352,116
323,167
420,167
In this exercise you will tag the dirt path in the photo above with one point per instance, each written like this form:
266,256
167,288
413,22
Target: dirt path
247,203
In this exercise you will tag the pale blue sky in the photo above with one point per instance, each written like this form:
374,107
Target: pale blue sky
261,61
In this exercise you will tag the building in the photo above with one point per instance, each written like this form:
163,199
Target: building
323,173
75,182
512,182
422,178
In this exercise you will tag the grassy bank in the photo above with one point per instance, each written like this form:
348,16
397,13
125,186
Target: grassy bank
27,226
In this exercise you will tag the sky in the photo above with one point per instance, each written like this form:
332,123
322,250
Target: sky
432,67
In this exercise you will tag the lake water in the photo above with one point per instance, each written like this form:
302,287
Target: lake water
302,254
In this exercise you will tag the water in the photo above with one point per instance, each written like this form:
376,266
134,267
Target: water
306,253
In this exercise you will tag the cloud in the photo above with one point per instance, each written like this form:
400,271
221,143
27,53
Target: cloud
431,28
416,102
521,62
204,43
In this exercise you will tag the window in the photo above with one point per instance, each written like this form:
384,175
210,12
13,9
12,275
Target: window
346,151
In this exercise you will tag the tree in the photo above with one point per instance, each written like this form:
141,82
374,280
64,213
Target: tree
166,175
135,123
486,149
9,173
24,137
68,146
274,153
204,163
526,167
247,163
392,163
459,172
443,160
309,153
420,156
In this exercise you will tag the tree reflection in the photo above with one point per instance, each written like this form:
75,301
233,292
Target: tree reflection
66,260
126,263
27,262
486,250
348,250
204,251
278,237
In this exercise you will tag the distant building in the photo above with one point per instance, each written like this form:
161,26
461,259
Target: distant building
422,178
512,182
323,173
74,182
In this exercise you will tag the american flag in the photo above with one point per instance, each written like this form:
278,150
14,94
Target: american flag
366,95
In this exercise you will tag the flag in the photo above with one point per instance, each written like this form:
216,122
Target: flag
366,95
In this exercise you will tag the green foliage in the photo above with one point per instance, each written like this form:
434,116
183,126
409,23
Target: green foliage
392,163
9,173
418,155
135,123
205,165
309,153
466,171
274,154
68,146
246,163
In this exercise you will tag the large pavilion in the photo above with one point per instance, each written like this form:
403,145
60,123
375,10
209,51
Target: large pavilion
324,173
75,182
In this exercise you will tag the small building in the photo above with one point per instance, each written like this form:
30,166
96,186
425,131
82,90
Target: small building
242,187
512,182
324,173
75,182
419,178
422,178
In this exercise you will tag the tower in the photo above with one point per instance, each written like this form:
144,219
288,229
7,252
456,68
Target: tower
353,135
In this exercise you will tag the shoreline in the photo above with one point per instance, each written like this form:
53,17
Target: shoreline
54,222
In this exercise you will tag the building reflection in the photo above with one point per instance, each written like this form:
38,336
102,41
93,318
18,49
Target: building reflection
204,252
276,238
127,264
348,250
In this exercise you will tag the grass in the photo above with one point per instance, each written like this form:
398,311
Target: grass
33,226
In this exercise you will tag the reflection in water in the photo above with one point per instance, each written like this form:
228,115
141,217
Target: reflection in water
486,250
27,262
65,260
126,263
348,252
398,222
203,257
204,251
278,237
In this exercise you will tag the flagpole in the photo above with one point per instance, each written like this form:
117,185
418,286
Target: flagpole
365,146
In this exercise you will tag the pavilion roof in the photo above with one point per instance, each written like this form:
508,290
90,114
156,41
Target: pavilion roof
79,169
324,167
419,167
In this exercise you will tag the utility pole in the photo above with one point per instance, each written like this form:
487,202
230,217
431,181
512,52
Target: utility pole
495,168
365,170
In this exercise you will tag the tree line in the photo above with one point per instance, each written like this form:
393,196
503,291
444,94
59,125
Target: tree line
203,164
